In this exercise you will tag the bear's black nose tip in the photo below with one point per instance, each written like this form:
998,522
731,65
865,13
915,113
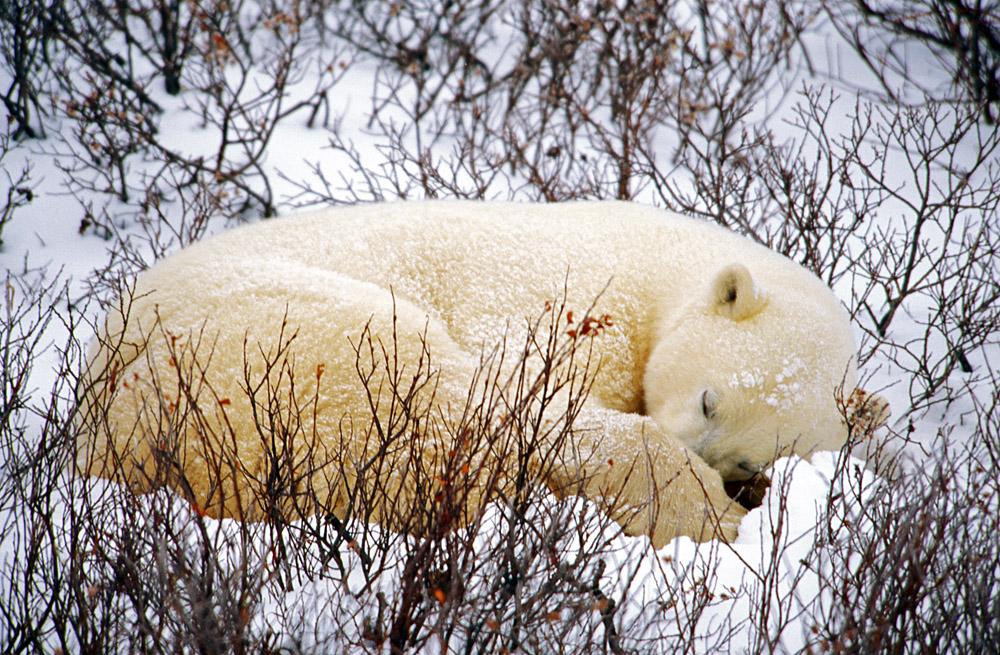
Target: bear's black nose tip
750,492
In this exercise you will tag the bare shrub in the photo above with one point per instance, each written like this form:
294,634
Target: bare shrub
20,188
24,36
33,454
914,570
964,37
243,67
560,100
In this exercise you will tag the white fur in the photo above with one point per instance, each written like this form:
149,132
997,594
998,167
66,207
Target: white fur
716,342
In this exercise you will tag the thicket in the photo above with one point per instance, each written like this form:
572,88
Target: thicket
856,137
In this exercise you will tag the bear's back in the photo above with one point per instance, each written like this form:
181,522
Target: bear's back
506,260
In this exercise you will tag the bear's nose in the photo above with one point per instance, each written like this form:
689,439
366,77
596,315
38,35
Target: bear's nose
749,493
744,470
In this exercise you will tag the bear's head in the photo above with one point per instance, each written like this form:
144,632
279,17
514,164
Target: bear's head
744,374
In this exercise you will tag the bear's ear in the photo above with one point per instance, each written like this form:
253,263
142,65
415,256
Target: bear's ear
734,295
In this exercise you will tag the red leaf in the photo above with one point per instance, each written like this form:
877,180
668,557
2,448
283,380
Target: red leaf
219,42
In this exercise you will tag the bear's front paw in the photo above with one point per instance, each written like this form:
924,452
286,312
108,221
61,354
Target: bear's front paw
724,525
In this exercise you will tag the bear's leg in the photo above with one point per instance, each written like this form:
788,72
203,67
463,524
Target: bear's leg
648,481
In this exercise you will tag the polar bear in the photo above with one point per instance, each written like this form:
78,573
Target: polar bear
714,355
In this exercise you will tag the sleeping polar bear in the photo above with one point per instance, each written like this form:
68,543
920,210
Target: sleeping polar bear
715,355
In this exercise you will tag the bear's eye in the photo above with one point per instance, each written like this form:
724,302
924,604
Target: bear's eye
709,402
